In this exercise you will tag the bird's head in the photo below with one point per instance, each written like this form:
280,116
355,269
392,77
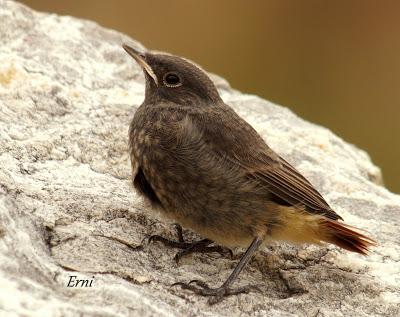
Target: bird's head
174,79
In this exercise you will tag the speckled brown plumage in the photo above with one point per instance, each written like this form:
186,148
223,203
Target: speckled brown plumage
206,168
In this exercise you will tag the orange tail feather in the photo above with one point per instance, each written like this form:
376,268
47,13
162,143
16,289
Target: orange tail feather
345,236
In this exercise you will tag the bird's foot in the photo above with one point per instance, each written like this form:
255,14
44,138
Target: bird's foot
201,246
216,294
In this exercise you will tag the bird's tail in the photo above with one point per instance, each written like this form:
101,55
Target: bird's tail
345,236
301,227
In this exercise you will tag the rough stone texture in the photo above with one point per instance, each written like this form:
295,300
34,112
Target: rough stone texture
67,93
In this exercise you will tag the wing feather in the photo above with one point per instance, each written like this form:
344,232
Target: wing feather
233,139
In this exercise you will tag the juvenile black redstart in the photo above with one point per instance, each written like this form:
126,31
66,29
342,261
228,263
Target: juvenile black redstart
195,160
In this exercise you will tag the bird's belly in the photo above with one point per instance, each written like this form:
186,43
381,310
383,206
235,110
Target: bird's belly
229,235
220,212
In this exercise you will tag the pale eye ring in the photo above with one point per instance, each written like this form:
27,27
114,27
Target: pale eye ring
172,79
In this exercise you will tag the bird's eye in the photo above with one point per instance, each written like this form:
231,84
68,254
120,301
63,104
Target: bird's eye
172,80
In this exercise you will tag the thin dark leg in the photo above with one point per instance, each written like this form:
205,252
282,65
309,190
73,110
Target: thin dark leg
201,246
217,294
179,232
243,261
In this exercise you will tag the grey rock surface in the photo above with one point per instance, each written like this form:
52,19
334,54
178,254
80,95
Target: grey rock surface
67,94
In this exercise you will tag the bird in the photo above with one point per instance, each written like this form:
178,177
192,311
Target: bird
198,163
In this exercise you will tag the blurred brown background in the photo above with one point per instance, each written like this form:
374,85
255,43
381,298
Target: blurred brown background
336,63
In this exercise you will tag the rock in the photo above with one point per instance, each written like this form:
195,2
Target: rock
67,94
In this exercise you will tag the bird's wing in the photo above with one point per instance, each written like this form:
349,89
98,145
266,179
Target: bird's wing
233,139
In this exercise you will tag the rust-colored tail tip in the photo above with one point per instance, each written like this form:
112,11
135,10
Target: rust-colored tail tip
347,237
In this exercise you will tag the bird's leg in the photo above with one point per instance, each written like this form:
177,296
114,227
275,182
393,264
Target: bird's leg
201,246
217,294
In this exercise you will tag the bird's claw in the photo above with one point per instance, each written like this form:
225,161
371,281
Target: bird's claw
201,246
216,294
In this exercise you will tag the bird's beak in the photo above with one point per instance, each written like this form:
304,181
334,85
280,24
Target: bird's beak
140,59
